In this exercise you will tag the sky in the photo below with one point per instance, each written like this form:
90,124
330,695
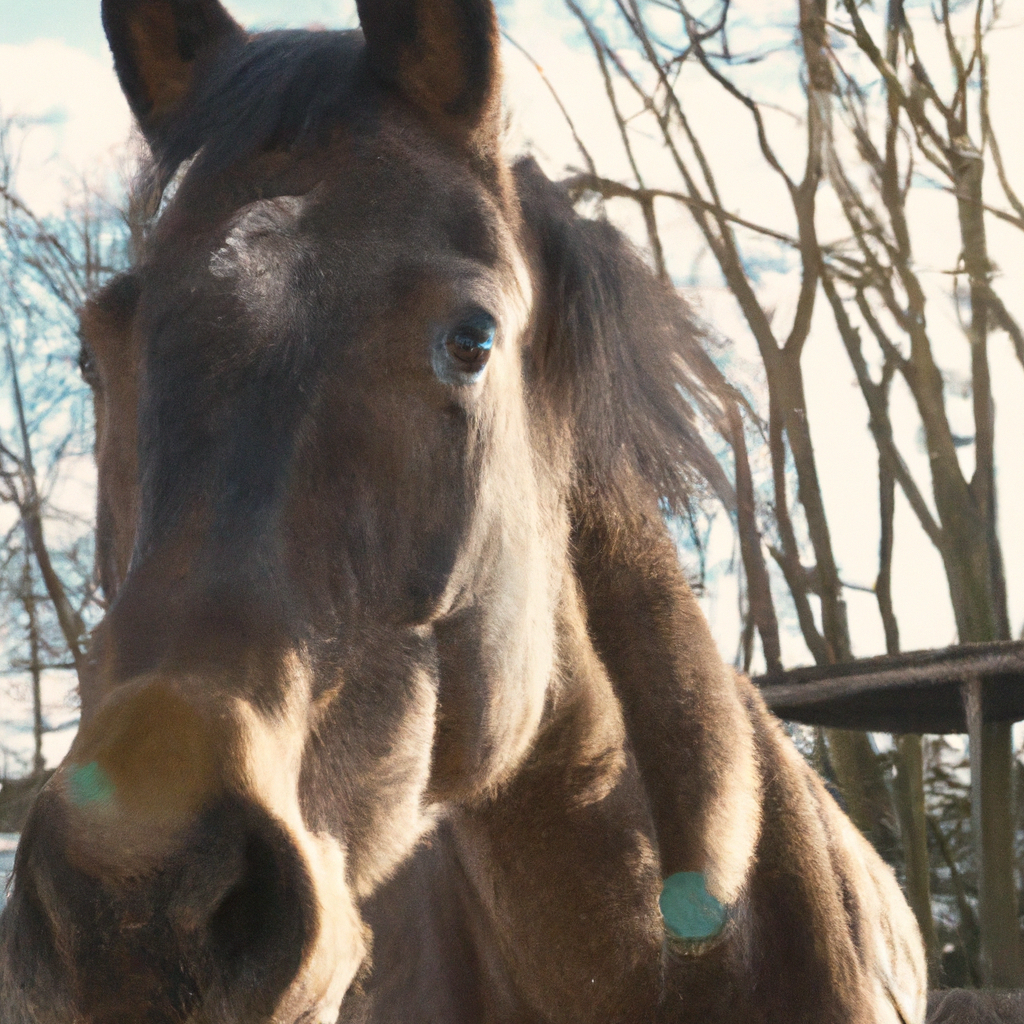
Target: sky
56,73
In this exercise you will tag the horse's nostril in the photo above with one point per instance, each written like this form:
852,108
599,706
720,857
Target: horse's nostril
244,922
225,919
262,925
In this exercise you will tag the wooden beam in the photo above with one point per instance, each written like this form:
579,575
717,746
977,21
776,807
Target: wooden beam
972,688
919,691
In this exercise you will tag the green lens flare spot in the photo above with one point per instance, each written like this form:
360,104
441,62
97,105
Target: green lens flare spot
90,784
691,913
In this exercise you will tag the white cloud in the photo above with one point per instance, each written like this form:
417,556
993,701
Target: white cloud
85,120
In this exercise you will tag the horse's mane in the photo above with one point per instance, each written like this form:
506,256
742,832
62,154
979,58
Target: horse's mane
621,352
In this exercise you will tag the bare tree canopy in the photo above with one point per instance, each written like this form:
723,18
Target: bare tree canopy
895,103
48,267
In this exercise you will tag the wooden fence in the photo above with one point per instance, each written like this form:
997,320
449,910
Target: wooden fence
976,689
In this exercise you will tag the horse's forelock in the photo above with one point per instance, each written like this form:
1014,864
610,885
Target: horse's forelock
279,91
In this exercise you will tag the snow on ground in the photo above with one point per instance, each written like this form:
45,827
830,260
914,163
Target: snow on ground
8,844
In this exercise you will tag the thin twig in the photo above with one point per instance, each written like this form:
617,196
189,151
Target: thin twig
584,152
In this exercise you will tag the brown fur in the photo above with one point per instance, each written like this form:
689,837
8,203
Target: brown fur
114,381
966,1007
402,710
165,42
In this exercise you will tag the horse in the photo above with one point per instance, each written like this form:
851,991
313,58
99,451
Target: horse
402,709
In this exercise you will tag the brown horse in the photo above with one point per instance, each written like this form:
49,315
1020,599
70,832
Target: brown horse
402,711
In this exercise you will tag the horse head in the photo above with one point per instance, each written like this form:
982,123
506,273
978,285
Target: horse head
332,516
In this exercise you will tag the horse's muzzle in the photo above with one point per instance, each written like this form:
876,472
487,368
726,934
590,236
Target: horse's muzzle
151,883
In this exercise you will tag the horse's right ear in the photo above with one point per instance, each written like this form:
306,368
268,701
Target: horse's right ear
159,48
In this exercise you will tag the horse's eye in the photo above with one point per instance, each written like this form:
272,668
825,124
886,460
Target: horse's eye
87,365
470,343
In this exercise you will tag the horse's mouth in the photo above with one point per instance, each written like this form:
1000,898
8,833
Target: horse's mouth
219,1014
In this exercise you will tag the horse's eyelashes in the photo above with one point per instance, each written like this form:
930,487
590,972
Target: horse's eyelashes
470,342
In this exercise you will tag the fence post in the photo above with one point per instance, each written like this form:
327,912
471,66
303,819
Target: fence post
991,749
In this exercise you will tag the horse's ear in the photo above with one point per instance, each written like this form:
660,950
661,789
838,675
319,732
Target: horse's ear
443,55
159,46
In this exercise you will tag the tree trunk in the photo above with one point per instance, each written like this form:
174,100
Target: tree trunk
913,829
28,600
991,742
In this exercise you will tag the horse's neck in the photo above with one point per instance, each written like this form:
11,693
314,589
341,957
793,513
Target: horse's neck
572,829
686,723
643,766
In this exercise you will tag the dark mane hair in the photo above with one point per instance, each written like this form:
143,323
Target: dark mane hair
623,351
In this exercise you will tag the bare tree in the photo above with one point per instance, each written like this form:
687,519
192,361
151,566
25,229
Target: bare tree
781,349
872,116
48,266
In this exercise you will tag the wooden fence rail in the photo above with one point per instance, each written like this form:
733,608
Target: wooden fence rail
920,691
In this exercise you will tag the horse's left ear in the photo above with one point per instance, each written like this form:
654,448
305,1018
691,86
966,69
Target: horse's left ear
443,55
159,47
